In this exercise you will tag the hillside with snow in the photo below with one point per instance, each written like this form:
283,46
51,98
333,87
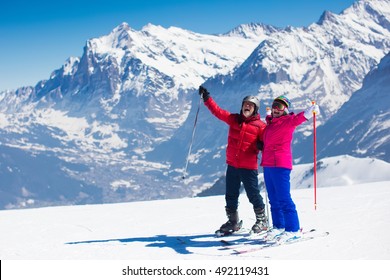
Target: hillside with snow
353,209
356,216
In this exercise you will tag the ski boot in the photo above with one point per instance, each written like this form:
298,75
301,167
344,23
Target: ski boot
261,225
232,225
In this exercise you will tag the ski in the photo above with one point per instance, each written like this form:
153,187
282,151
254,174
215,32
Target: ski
250,239
254,239
236,245
269,244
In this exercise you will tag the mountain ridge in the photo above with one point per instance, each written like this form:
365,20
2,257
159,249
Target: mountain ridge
120,117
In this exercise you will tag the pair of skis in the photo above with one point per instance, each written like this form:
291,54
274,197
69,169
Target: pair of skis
253,244
239,243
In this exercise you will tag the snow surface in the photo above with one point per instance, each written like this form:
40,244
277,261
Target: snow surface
102,241
356,216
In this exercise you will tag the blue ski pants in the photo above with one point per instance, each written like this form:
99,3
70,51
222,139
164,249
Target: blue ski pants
248,177
283,210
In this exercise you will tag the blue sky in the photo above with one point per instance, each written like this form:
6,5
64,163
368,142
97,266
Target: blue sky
36,37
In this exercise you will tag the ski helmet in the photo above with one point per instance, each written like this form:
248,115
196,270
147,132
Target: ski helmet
252,99
284,100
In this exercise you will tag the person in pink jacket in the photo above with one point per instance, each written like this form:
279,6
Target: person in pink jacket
277,163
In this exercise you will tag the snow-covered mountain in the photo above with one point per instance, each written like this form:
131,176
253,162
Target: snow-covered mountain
326,62
96,117
116,124
361,126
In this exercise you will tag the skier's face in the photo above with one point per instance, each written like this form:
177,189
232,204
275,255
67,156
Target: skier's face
277,113
278,109
248,108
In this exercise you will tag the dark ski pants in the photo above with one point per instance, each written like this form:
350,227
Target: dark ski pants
234,177
283,210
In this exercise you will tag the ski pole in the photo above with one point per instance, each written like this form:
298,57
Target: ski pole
315,157
192,139
267,205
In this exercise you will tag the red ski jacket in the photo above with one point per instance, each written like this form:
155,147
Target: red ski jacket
241,151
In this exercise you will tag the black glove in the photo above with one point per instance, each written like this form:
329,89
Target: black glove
204,93
260,145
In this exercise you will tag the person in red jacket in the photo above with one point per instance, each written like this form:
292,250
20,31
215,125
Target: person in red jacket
245,133
277,164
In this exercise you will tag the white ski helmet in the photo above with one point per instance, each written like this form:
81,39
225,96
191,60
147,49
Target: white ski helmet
254,100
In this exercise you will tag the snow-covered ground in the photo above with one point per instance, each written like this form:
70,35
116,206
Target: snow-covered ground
150,233
356,216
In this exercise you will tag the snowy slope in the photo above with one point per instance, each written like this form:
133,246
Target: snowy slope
354,212
355,215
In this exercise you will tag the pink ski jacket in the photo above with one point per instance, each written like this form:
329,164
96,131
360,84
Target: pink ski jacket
241,151
277,138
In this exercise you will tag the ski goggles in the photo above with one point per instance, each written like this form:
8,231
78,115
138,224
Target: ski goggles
278,106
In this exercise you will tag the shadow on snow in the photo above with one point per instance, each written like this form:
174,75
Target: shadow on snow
179,244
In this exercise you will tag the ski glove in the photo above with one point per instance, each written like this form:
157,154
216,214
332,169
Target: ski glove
204,93
268,111
312,109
